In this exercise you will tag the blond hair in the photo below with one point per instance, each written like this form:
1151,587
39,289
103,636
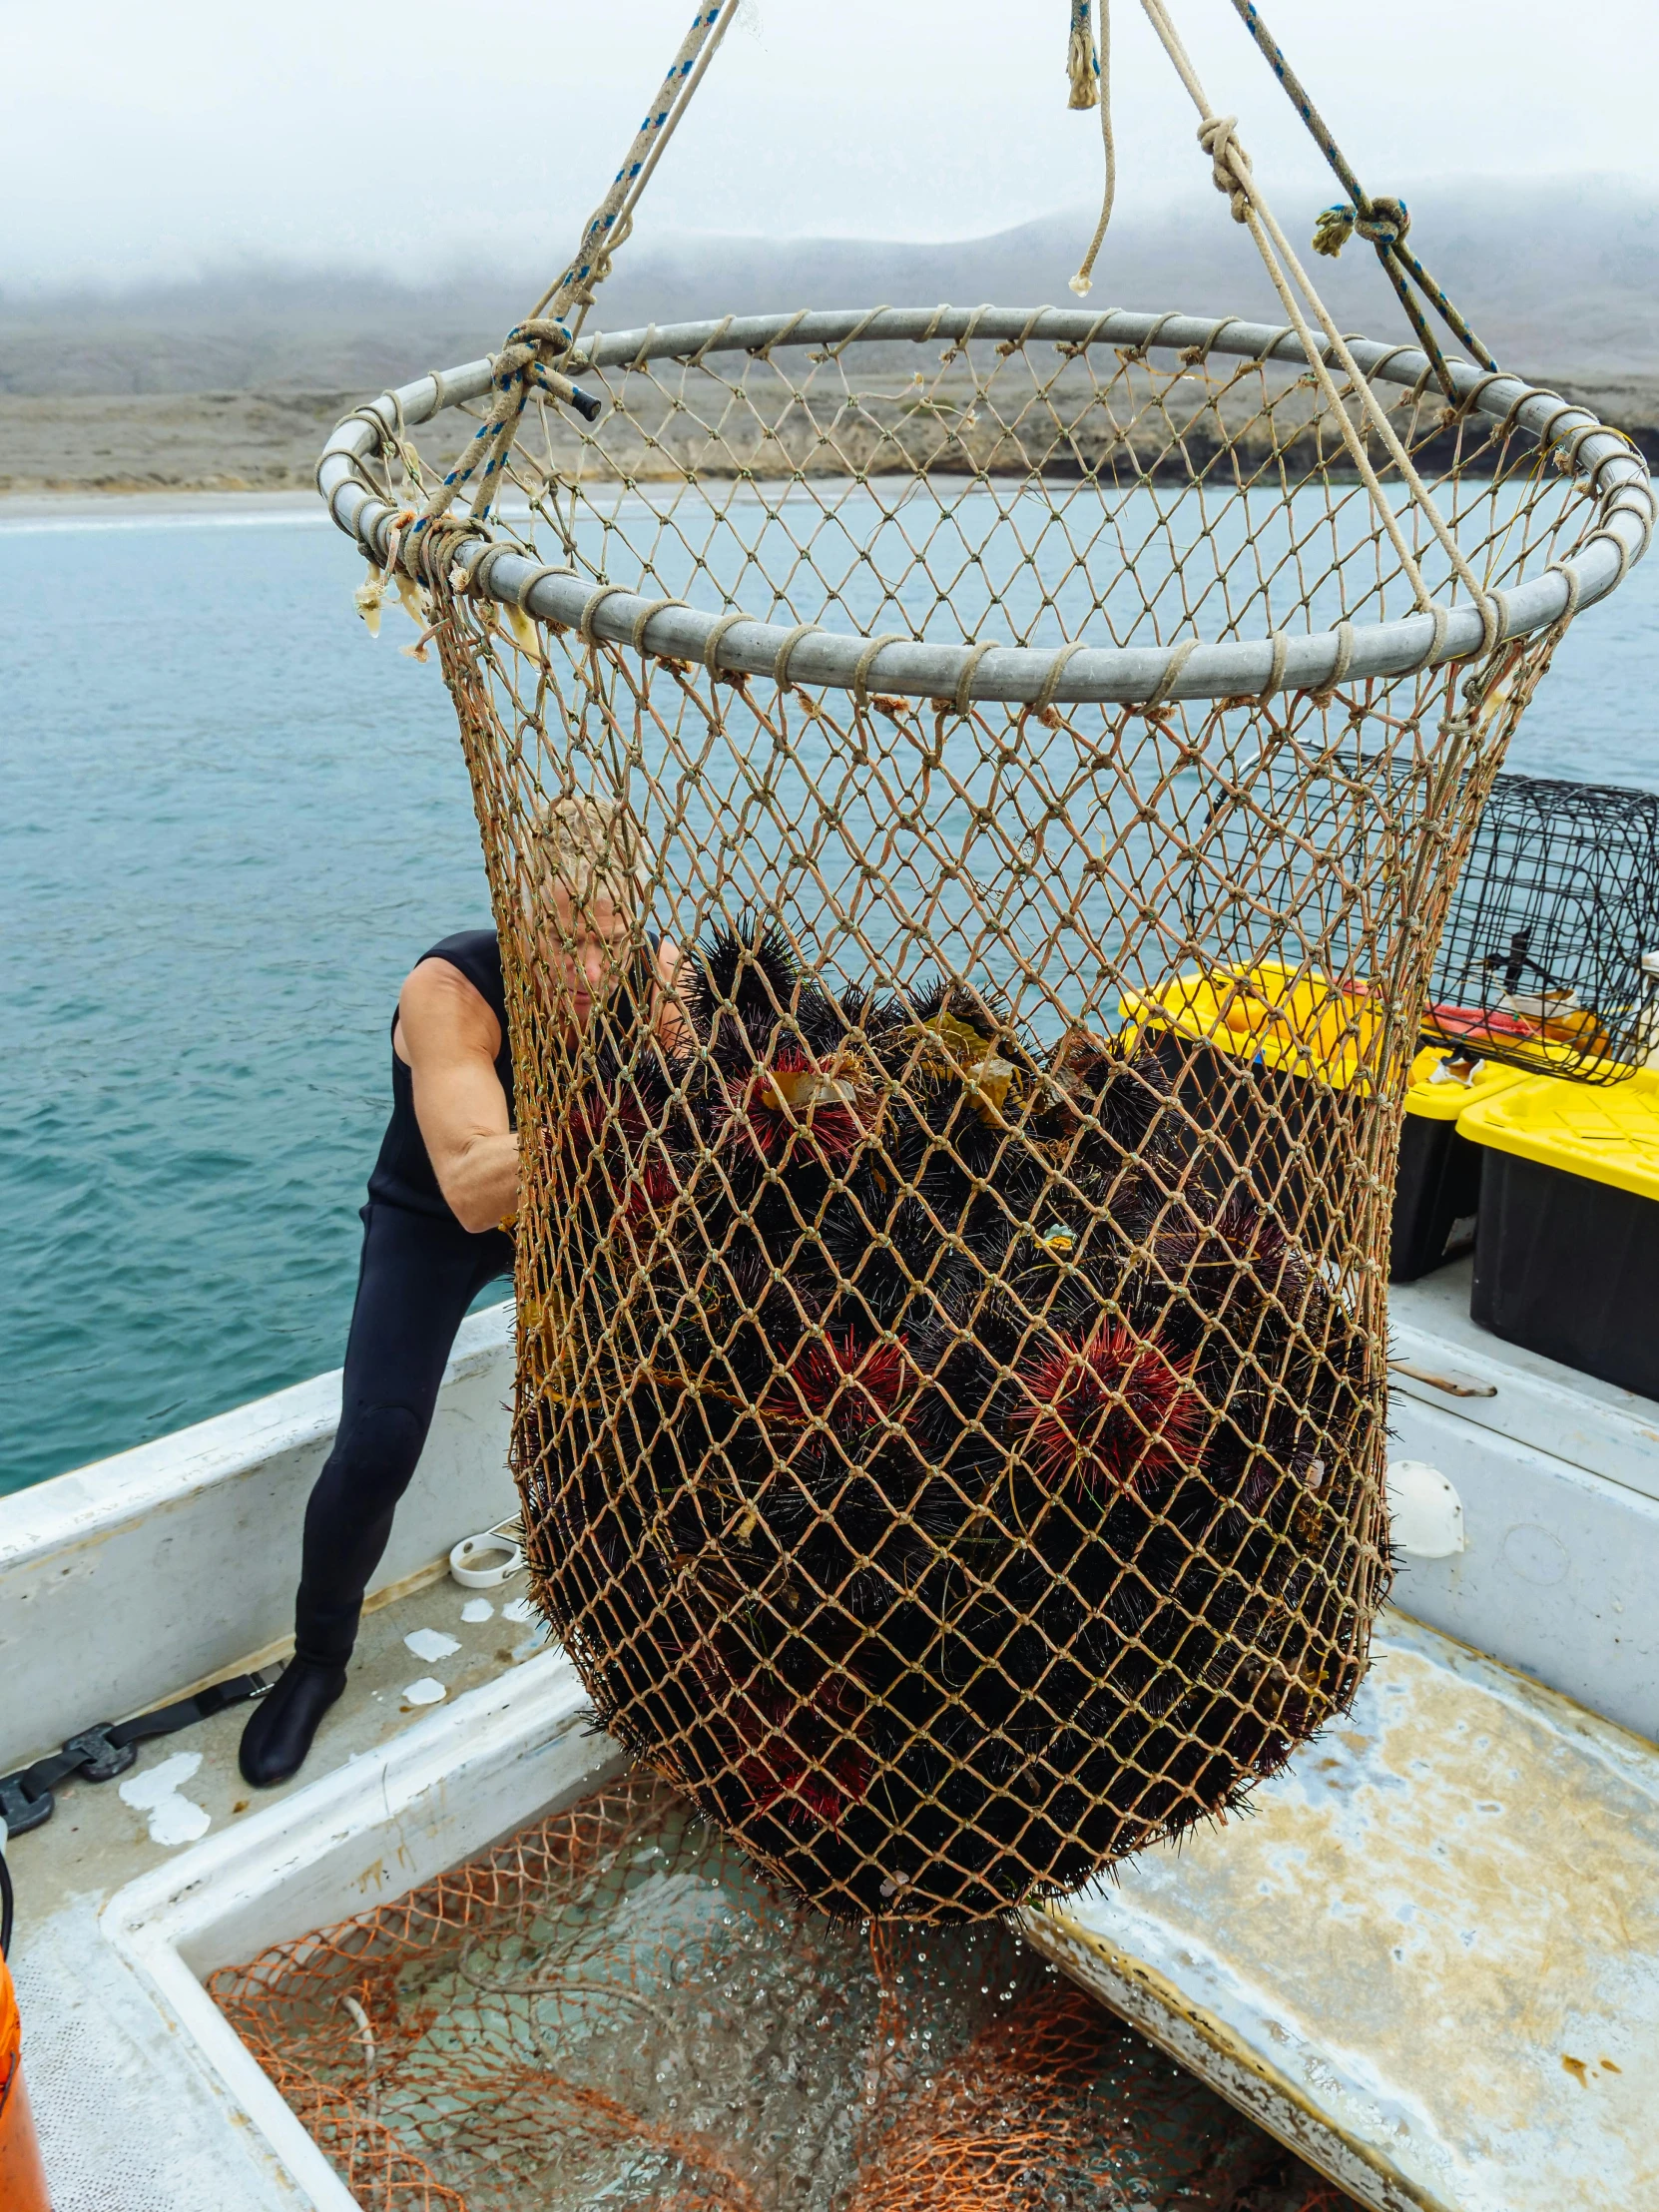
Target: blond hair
590,845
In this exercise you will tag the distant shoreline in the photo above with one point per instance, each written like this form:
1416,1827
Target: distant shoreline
189,502
240,445
145,450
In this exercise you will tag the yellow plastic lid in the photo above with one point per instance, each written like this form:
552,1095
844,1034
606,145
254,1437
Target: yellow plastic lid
1607,1135
1434,1097
1288,1018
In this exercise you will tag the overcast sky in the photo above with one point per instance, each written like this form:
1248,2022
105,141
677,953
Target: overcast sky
143,138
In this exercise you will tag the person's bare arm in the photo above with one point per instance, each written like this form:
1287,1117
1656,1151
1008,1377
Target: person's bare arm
449,1037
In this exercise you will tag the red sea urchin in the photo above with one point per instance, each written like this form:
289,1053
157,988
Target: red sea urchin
1110,1409
652,1191
803,1782
853,1386
796,1096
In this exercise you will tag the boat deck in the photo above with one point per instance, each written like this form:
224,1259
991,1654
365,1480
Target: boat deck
1425,1957
1424,1961
91,2032
95,1840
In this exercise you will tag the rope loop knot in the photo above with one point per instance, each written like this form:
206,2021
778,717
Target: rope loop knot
1383,223
1229,162
526,359
522,366
528,342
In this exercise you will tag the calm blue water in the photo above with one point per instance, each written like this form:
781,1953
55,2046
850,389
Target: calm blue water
230,824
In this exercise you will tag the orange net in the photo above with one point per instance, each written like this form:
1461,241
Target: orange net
611,2008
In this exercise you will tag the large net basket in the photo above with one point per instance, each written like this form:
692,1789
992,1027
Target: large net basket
951,1392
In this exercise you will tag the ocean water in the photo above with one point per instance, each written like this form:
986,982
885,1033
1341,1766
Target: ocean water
230,824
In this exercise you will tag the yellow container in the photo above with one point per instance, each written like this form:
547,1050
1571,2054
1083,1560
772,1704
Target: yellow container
1290,1020
1606,1136
1321,1033
1435,1096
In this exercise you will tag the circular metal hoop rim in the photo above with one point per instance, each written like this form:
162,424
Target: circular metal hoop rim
736,644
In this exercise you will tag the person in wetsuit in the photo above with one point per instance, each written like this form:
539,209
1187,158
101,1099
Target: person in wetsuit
438,1227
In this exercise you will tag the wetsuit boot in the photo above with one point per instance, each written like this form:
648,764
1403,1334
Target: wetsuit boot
286,1718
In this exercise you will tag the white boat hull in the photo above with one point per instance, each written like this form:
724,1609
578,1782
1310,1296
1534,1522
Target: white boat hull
1426,1959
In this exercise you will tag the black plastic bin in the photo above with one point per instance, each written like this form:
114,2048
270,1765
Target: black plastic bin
1261,1060
1437,1187
1265,1129
1273,1127
1567,1263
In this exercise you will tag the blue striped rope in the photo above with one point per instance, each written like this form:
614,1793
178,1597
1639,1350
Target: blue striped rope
490,447
1371,217
604,218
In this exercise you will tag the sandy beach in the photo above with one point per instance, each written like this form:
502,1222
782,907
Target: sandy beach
218,442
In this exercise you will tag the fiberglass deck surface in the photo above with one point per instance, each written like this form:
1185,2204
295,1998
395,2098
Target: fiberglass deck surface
89,2034
1426,1959
1428,1956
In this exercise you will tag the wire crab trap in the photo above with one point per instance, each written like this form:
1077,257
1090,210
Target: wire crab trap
950,1452
1550,956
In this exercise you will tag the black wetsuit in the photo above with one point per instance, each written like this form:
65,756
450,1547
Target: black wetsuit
420,1271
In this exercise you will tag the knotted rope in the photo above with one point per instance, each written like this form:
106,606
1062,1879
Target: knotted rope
612,222
1229,162
522,366
525,363
1081,65
1230,172
1384,222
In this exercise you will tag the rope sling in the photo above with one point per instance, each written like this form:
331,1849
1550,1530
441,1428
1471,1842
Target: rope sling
949,1415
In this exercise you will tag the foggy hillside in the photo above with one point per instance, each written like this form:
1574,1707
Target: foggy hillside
233,381
1559,279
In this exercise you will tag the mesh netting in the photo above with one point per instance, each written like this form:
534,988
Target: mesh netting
1550,957
950,1373
612,2010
